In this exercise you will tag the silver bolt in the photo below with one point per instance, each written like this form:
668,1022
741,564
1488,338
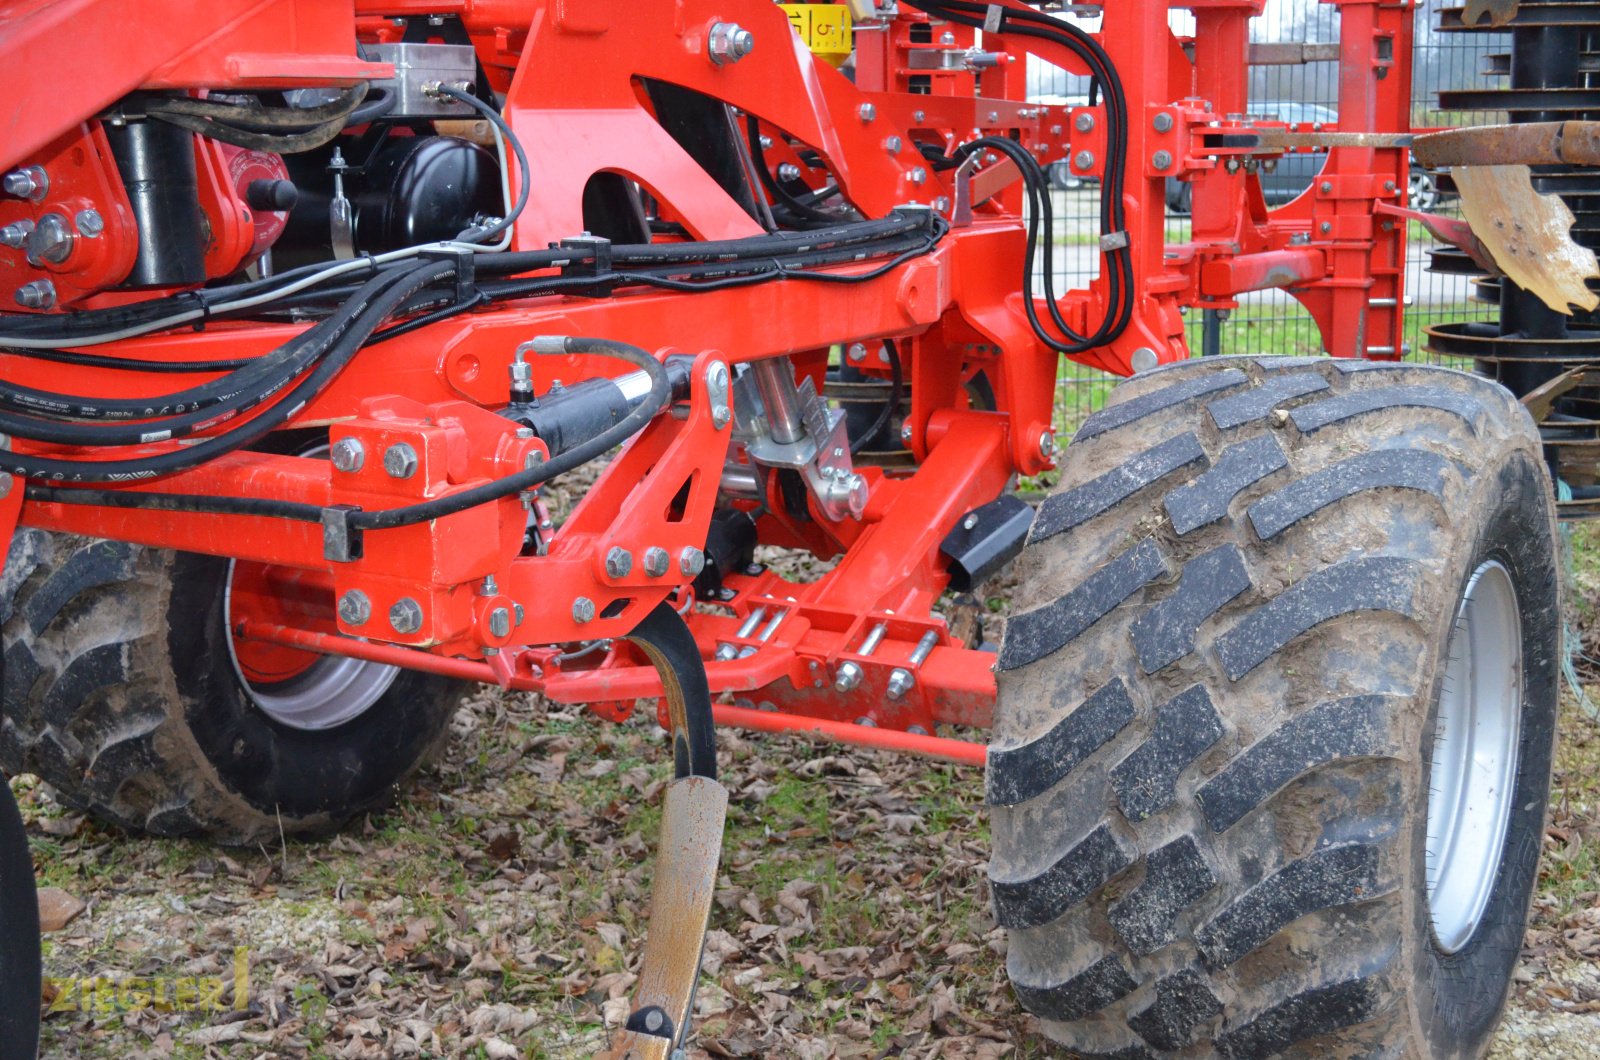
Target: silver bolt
893,144
348,454
1144,359
28,182
89,222
406,615
355,608
867,111
717,393
905,432
517,613
39,294
400,460
1084,122
918,174
1162,122
5,484
947,37
1327,187
692,561
619,561
15,234
847,677
1388,186
1084,160
583,610
900,682
1047,443
728,42
857,351
969,523
1162,160
51,240
656,561
1325,227
994,116
919,116
500,622
788,171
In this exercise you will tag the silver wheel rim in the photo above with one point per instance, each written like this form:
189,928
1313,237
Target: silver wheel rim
332,691
1474,756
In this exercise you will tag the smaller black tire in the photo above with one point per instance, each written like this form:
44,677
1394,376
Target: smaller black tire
121,691
19,936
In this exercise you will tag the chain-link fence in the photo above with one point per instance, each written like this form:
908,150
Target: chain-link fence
1273,322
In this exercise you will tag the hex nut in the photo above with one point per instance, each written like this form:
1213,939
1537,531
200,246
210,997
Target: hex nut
583,610
1084,122
1161,160
37,294
1162,122
691,561
1047,443
728,42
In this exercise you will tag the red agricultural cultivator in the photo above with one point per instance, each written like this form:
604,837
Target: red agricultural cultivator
305,302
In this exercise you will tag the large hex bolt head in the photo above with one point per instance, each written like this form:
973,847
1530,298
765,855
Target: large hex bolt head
406,616
355,608
347,454
619,562
400,460
692,561
656,561
583,610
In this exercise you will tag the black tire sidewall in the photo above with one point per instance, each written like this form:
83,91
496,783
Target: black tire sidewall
278,769
19,935
1459,996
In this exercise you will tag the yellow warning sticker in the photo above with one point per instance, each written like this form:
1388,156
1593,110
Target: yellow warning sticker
824,27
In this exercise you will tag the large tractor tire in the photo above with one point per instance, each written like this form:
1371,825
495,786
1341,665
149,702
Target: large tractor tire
1276,713
125,690
20,981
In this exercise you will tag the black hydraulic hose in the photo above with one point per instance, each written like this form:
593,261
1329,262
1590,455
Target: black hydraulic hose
896,382
258,378
779,195
340,354
258,118
191,503
484,235
373,109
656,400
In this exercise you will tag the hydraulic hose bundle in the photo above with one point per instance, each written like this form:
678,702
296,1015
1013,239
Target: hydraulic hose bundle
1119,279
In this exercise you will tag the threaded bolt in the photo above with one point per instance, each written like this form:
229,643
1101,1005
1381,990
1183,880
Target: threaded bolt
583,610
692,561
500,622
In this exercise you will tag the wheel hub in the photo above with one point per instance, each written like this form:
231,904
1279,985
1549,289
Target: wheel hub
1474,767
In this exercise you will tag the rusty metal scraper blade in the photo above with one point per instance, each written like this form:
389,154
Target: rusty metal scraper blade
1528,234
680,908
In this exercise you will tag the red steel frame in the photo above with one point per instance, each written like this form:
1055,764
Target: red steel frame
569,73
